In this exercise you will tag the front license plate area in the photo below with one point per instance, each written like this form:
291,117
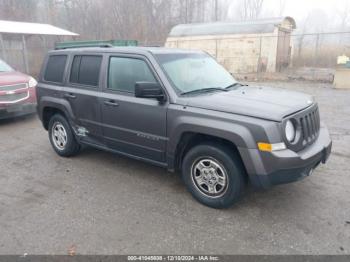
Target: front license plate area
14,109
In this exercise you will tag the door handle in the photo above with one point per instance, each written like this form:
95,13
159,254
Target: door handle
111,103
69,95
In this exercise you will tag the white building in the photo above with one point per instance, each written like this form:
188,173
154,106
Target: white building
23,45
242,47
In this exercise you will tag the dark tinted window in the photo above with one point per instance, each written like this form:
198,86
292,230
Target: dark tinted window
125,72
74,72
55,68
86,70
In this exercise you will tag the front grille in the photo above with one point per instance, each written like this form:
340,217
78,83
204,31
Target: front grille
310,126
307,123
13,87
8,98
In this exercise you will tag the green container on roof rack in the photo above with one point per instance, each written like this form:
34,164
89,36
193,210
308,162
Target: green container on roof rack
95,43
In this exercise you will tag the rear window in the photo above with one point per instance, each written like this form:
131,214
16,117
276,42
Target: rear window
55,68
86,70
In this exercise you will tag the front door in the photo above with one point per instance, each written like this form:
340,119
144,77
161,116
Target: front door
133,126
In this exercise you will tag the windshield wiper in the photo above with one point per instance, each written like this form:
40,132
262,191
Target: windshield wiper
204,90
234,85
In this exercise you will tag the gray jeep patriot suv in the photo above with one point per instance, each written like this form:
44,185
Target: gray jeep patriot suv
181,110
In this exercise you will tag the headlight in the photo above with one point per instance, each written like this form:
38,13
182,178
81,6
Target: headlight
290,131
32,82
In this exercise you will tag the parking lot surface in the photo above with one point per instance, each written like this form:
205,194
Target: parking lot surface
102,203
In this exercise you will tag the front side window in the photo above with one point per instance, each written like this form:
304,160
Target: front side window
86,70
55,68
5,67
125,72
194,71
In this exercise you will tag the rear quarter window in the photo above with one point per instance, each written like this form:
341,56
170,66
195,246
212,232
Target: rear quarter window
55,67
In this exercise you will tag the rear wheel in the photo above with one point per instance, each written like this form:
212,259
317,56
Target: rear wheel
213,174
61,136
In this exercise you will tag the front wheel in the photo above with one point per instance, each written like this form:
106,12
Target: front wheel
61,136
213,174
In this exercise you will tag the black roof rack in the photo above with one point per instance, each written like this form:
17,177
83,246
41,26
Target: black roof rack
83,46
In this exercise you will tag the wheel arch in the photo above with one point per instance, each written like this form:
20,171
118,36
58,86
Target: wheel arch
191,139
188,128
50,106
48,112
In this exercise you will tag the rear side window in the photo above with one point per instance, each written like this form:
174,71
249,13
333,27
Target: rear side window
55,68
125,72
86,70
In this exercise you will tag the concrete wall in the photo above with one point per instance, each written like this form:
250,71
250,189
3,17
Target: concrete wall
238,53
342,78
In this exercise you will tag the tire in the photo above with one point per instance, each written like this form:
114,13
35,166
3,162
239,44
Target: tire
214,175
61,137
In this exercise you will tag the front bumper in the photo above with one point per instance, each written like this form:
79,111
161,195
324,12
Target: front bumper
15,110
272,168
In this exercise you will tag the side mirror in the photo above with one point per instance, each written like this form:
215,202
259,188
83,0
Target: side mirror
149,90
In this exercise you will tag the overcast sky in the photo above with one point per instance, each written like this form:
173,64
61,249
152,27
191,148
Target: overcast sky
318,15
299,9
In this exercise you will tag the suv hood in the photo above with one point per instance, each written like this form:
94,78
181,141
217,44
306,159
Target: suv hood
11,78
262,102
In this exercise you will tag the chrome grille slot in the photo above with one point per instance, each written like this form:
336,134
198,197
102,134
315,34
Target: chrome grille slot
11,98
310,126
13,87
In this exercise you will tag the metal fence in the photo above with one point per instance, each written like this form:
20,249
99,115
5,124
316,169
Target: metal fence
279,56
297,56
25,53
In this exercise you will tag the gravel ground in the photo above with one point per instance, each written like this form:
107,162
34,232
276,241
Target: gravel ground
106,204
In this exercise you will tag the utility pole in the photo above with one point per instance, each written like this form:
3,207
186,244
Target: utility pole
216,10
2,44
317,45
186,12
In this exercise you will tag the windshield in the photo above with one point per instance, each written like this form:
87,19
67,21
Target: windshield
5,67
190,72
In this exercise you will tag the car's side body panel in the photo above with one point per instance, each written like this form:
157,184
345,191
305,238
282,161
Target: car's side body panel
136,126
241,131
152,130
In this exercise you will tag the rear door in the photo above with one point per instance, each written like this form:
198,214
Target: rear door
82,92
134,126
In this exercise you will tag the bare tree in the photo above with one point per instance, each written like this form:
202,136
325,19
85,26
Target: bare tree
344,15
221,9
250,9
148,21
17,10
